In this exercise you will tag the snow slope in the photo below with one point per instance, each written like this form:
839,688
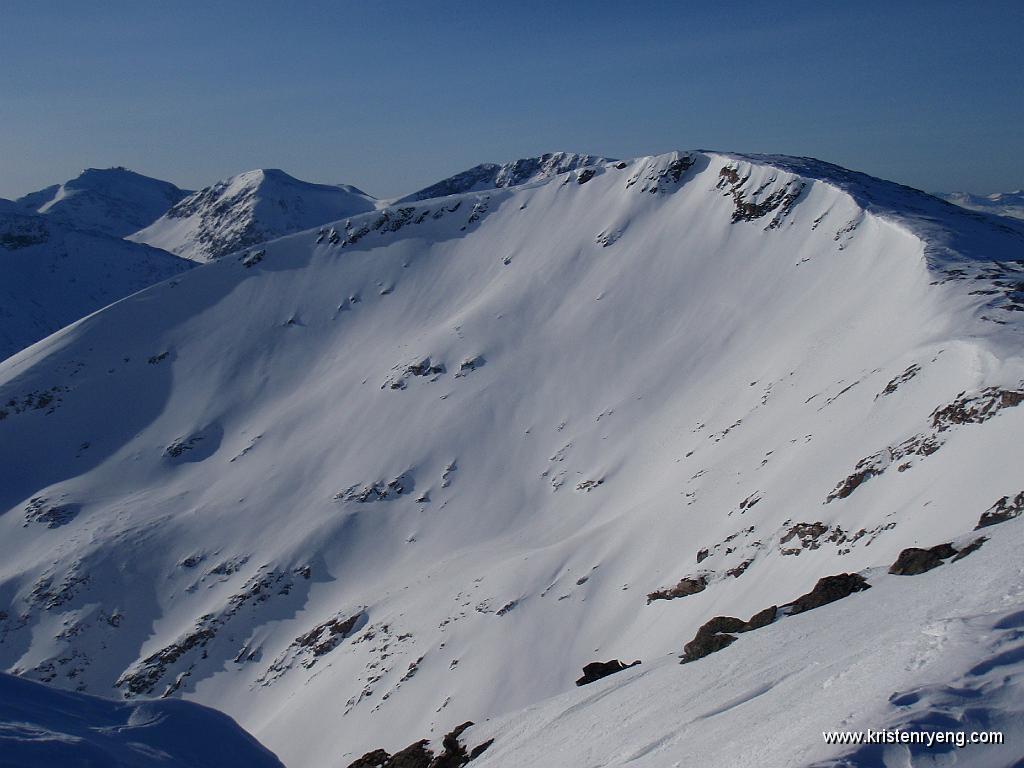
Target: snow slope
366,482
113,201
248,209
1001,203
497,176
41,727
936,652
52,274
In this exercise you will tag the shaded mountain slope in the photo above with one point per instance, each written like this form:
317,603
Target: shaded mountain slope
54,274
41,727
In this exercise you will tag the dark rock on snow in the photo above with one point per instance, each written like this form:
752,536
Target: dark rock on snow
972,547
762,618
1004,509
595,670
418,755
374,759
690,585
721,631
828,590
913,560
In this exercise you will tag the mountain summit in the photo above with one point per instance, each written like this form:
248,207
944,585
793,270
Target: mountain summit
247,209
113,201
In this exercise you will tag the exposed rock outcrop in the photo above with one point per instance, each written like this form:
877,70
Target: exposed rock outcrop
1004,509
914,560
689,585
967,408
39,510
453,754
720,632
378,491
595,670
827,590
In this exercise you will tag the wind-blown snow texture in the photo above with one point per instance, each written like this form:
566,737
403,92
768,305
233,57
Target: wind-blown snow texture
54,274
248,209
365,482
44,727
114,201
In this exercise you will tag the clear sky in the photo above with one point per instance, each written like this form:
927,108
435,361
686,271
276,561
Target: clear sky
390,96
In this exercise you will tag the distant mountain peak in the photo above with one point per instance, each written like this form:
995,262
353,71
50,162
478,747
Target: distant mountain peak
264,177
113,201
1000,203
249,208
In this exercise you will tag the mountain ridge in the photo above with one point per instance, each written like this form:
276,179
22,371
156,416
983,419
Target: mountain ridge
113,201
419,465
247,209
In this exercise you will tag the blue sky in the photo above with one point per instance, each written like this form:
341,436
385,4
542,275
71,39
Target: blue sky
390,96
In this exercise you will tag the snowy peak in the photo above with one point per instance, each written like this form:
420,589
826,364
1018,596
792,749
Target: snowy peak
247,209
949,234
496,176
114,201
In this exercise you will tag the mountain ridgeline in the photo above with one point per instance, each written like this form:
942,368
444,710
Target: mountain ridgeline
112,201
248,209
406,467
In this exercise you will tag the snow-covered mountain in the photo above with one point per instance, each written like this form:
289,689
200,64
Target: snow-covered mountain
247,209
1001,203
53,274
113,201
497,176
42,727
419,466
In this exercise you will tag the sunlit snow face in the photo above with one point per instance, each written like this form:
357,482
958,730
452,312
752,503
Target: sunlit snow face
490,427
